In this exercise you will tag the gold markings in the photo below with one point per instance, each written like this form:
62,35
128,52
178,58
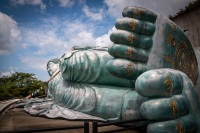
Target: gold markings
137,12
129,68
169,83
171,40
168,58
181,56
179,128
183,59
173,105
131,38
132,24
129,52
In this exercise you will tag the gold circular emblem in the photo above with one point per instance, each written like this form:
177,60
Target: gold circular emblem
185,61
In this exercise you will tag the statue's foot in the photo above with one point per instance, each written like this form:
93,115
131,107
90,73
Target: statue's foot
144,41
174,106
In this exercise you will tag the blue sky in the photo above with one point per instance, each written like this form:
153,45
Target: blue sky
35,31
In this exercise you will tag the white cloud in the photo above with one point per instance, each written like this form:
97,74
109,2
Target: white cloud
54,37
9,34
12,68
79,34
115,7
72,28
45,41
35,62
163,7
104,40
94,14
66,3
24,45
8,73
29,2
83,38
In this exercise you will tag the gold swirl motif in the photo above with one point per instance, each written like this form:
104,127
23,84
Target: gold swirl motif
129,52
137,12
179,128
171,40
130,69
181,58
172,105
184,59
132,24
131,38
169,83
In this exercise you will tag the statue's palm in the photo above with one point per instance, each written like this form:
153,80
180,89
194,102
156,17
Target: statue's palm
146,41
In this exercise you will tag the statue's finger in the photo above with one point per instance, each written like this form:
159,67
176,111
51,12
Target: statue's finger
139,13
159,83
165,108
125,69
184,124
132,39
128,52
137,26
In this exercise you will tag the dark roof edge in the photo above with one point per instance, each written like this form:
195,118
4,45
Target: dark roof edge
191,6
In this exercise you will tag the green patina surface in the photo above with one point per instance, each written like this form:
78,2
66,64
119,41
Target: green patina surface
149,72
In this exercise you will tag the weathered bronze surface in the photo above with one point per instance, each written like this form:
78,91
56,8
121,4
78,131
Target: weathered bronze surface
148,76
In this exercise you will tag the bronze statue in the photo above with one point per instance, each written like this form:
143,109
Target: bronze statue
150,72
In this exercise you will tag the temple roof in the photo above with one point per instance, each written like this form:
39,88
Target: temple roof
191,6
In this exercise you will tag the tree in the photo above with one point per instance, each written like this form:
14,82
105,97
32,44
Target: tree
19,85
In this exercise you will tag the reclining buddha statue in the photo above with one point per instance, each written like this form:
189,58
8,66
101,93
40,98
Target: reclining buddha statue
150,73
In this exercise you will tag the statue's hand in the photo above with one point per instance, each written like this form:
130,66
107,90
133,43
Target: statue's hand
144,41
173,105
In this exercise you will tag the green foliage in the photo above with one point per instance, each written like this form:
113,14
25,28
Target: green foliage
19,85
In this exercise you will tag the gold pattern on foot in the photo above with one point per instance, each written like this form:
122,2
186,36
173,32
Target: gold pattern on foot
131,38
185,60
169,83
173,105
132,24
179,128
129,52
168,58
130,69
137,12
171,40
